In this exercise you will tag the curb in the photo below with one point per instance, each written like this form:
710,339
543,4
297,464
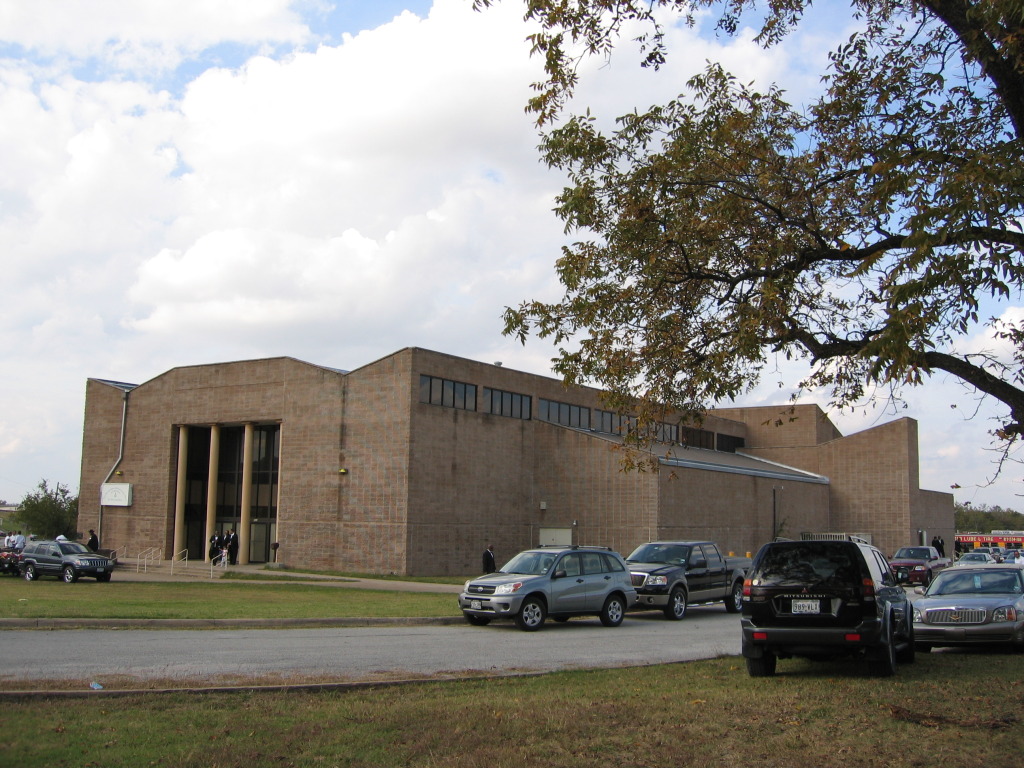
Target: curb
275,688
54,624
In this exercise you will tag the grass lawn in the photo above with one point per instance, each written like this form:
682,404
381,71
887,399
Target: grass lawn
221,599
948,709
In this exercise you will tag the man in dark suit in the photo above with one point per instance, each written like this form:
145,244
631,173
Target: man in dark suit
489,566
232,547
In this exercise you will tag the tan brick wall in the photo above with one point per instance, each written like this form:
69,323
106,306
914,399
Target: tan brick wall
737,511
374,494
581,479
100,445
306,400
426,488
782,426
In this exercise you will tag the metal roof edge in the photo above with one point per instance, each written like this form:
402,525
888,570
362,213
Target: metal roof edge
781,473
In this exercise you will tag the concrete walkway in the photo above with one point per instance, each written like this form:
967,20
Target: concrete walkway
165,571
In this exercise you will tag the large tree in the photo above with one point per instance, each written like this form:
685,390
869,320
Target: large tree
868,232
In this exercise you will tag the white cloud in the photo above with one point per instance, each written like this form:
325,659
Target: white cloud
330,203
155,34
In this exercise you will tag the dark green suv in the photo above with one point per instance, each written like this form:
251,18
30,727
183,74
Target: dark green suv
822,599
66,560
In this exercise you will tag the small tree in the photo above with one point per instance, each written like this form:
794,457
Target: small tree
49,512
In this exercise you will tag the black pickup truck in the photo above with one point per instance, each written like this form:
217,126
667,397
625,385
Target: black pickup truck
670,575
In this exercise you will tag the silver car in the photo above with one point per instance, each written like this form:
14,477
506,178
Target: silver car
971,559
559,582
971,605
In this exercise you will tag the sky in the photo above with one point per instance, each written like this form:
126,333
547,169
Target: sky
187,182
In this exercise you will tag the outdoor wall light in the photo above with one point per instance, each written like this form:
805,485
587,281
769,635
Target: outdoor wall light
342,471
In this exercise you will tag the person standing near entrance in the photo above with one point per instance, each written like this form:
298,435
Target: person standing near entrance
232,547
94,543
489,566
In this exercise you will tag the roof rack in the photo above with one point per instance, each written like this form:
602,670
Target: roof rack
857,538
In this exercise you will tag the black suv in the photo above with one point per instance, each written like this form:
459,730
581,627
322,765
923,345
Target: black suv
65,559
822,599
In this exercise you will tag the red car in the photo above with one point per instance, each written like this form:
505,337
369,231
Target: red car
917,565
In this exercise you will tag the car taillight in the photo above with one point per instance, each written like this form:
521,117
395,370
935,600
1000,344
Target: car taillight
868,589
746,587
760,635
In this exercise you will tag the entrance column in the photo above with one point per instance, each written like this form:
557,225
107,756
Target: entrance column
211,487
180,491
244,533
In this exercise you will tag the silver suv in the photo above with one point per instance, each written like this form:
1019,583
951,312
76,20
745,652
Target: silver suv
559,582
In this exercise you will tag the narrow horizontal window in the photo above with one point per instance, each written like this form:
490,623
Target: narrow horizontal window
447,393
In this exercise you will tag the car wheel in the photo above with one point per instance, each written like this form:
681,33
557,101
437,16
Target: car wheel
531,615
613,612
104,577
676,608
763,666
883,661
68,575
905,655
476,621
734,602
30,573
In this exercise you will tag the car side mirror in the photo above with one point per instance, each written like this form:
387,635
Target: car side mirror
558,575
699,564
919,590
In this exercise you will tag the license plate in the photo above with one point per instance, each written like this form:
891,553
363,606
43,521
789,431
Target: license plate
476,605
806,606
99,570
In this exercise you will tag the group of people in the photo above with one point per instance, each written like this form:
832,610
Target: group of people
224,548
16,540
940,545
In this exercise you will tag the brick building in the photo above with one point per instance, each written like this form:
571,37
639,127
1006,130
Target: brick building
414,463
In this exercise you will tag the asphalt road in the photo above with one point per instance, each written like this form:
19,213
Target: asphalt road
364,653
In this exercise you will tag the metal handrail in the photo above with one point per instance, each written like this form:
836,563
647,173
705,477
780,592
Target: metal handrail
181,557
144,557
220,560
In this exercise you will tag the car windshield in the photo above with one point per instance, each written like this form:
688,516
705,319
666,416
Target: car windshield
975,557
807,563
913,553
530,563
980,582
671,554
73,548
